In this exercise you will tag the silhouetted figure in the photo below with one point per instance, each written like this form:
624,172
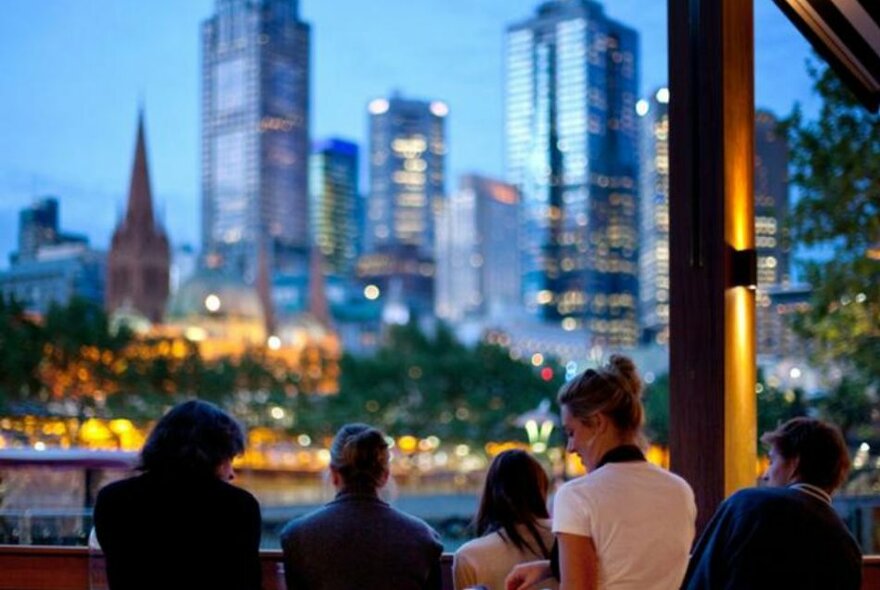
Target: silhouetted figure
180,524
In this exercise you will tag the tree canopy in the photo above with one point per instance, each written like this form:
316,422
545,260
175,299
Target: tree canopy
835,161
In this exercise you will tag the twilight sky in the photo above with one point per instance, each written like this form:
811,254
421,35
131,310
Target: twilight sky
75,71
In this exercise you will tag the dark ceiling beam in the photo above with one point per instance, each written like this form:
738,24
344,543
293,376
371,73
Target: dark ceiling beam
848,39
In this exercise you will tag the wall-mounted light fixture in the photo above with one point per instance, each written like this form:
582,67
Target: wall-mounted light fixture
744,268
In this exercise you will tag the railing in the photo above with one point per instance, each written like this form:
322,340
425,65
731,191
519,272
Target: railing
76,568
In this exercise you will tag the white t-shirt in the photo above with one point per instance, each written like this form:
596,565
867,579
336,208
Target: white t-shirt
640,518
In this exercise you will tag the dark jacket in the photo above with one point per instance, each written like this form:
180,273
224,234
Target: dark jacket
775,538
357,541
179,532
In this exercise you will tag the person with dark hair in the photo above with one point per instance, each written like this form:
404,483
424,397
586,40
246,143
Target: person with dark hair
180,524
358,540
786,535
512,523
626,524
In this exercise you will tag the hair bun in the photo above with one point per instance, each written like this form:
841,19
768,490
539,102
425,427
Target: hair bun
364,445
625,370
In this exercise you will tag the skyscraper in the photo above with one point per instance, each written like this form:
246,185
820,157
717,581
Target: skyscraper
776,296
771,200
654,217
255,134
139,258
477,250
407,176
571,140
335,204
771,207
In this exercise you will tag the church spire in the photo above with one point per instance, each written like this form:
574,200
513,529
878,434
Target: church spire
139,258
140,198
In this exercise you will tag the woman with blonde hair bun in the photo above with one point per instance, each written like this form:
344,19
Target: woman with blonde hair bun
626,524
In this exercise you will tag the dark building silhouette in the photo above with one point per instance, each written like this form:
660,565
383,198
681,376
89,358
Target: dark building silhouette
139,259
38,229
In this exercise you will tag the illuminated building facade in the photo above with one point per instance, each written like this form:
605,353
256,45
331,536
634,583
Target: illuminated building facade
407,179
334,204
572,151
654,218
255,135
774,301
477,250
771,200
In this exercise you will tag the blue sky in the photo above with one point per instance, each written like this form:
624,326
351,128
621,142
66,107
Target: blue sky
75,71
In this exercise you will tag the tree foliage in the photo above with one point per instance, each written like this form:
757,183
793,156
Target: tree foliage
835,162
21,343
414,384
420,384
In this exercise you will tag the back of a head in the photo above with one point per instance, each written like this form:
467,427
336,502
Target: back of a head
192,439
614,390
823,459
360,456
515,493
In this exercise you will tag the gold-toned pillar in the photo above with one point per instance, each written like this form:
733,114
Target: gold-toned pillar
740,420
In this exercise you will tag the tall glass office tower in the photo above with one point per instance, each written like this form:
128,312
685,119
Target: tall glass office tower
654,217
335,204
255,134
407,176
571,140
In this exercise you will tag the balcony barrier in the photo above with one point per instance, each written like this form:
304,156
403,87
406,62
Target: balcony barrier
76,568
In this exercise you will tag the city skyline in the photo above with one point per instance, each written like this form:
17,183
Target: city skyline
103,60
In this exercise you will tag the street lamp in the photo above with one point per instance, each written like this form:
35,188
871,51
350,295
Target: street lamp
539,425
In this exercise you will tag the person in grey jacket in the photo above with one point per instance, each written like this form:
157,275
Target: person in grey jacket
358,540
